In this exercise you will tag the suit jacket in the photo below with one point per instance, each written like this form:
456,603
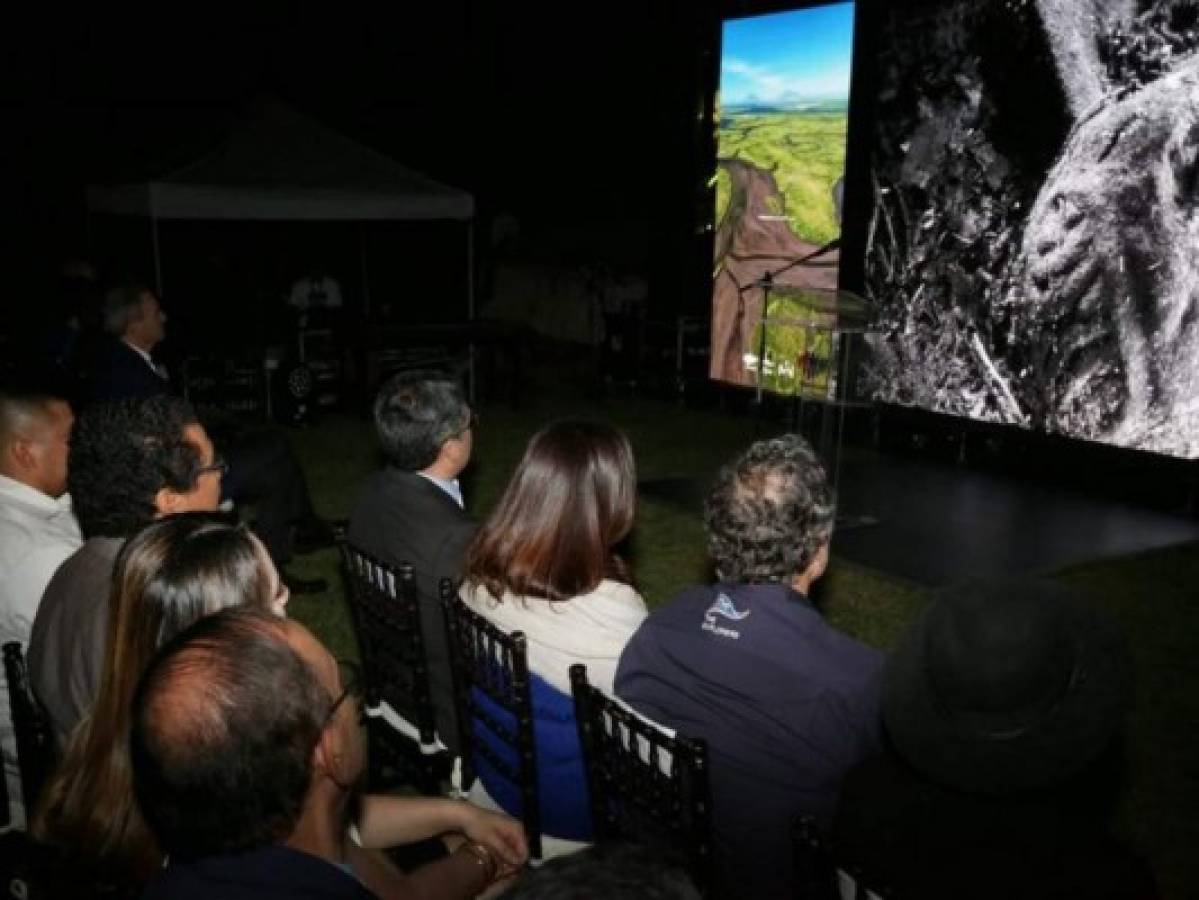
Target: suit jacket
70,633
402,517
118,372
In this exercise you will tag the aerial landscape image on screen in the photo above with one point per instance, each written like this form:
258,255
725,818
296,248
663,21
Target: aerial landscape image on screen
783,112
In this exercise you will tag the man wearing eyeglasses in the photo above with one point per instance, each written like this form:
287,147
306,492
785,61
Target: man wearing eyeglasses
412,510
129,463
248,749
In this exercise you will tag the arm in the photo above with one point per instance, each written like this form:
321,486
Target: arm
384,821
468,872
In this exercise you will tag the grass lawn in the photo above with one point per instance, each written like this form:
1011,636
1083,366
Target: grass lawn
1154,594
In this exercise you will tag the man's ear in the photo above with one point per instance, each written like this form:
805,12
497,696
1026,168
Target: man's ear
327,756
24,453
167,502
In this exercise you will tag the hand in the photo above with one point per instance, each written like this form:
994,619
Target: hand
501,834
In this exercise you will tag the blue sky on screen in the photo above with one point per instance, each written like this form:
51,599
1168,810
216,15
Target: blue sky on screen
788,57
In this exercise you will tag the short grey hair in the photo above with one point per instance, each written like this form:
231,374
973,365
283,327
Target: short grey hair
415,414
122,306
769,513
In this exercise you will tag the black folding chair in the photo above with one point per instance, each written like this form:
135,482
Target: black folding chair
491,686
35,743
821,875
404,746
647,785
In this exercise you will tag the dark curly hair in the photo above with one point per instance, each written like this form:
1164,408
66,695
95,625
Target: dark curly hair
769,512
122,453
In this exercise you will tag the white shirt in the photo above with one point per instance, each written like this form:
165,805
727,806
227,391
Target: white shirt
159,370
315,293
37,533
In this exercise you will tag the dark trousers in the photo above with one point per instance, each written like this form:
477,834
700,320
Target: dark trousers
263,470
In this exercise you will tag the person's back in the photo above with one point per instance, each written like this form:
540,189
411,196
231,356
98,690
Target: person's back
786,703
411,510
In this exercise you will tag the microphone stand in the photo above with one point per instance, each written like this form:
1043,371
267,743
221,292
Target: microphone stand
766,282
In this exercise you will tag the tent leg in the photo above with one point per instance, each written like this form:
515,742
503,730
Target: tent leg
470,305
157,257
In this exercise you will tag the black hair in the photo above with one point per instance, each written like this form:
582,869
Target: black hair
225,722
122,453
415,413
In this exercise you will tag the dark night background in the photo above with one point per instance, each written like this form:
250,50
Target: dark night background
580,119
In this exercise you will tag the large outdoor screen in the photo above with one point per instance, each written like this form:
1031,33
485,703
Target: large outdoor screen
783,112
1033,252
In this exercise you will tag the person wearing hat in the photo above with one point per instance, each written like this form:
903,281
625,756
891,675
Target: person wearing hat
787,703
1003,704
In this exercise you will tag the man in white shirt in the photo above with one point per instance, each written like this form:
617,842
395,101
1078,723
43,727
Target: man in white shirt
37,530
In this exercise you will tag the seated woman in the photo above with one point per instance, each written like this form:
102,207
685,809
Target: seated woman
171,573
544,564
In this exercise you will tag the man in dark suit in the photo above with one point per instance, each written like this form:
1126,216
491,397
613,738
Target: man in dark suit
411,511
263,468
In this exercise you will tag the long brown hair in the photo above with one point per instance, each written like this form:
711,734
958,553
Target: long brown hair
171,573
570,501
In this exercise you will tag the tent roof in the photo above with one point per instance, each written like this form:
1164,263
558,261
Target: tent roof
284,165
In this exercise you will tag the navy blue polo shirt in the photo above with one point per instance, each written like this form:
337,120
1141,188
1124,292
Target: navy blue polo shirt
787,704
262,874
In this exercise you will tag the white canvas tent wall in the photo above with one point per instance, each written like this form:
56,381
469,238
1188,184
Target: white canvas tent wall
281,165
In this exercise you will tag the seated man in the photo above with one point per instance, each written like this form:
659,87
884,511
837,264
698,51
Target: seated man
263,468
1004,704
786,703
247,749
411,511
37,530
129,463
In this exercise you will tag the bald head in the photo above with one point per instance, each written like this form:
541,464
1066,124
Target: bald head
225,724
35,426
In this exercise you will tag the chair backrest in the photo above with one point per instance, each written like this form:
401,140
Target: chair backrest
492,689
35,742
821,875
647,784
384,605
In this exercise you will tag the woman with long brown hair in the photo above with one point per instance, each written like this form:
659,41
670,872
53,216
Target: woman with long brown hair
545,563
167,576
172,573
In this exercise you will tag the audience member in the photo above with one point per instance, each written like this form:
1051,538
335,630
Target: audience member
130,462
37,530
168,575
611,871
262,466
544,563
1004,704
786,703
411,511
171,573
247,748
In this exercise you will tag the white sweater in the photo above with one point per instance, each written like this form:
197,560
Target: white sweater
591,628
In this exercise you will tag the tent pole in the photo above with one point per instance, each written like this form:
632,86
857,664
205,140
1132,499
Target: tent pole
470,302
366,275
157,258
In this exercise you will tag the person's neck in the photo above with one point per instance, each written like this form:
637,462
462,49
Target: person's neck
443,470
801,584
321,830
17,476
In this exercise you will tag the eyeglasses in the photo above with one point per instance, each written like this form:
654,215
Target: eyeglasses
351,686
218,465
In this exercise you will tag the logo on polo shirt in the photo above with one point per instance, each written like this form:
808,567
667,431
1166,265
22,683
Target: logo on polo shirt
724,607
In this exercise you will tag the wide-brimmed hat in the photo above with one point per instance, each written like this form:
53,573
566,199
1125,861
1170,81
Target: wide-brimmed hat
1006,685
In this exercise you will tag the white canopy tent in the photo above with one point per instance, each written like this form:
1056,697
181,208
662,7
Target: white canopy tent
282,165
